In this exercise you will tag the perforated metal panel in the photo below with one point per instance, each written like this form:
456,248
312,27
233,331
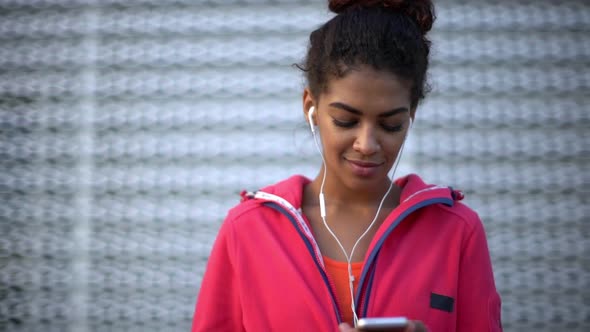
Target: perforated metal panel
127,128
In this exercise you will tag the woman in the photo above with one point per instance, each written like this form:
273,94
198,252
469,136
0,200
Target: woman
317,255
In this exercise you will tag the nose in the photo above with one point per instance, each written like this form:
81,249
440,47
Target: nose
366,141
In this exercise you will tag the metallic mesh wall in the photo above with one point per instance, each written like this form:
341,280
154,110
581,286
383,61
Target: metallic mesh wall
127,128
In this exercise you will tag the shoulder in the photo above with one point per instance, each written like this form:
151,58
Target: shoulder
242,210
454,213
251,208
461,213
466,224
458,224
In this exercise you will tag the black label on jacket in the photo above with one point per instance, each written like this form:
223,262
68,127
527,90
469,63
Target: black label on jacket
441,302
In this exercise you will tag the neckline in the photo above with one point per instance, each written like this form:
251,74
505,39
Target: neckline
341,264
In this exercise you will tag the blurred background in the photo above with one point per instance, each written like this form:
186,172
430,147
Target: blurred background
128,128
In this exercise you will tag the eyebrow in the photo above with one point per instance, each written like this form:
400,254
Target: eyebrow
353,110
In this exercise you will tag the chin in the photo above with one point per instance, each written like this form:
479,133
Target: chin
368,183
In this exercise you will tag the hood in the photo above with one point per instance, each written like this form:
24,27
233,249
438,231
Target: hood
291,189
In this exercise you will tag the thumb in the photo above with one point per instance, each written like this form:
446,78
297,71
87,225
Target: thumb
414,326
345,327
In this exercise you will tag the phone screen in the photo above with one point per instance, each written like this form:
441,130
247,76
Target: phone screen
384,324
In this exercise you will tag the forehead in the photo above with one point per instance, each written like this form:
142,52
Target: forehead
367,86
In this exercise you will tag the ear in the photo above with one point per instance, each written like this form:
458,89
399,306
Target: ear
413,115
308,102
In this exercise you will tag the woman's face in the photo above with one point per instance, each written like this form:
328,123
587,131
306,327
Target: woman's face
362,120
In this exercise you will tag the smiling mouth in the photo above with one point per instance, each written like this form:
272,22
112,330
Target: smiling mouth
364,168
365,163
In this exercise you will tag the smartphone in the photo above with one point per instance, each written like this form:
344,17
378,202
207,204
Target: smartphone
384,324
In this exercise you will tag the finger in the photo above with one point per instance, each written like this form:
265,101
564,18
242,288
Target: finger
344,327
420,327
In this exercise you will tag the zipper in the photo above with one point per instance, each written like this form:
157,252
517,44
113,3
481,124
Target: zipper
310,246
368,272
332,288
363,293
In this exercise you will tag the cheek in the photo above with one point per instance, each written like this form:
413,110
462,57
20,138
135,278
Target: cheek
391,146
336,141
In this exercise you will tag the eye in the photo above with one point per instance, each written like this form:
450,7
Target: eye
344,124
395,128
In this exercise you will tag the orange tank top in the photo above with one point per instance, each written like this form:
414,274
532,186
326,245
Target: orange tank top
338,273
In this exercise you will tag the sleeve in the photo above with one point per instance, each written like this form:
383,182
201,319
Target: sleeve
478,302
218,305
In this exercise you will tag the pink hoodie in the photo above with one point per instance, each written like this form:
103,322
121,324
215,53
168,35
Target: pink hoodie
428,261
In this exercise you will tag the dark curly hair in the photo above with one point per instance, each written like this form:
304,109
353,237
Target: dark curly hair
386,35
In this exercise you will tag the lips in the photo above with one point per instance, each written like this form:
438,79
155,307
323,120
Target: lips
364,168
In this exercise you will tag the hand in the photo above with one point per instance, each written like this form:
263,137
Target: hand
413,326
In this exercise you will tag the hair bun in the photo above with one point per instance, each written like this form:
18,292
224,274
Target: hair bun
420,11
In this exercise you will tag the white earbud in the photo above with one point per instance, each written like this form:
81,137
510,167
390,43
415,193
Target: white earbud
310,119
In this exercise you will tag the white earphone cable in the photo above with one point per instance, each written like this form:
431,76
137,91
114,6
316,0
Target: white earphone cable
323,212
